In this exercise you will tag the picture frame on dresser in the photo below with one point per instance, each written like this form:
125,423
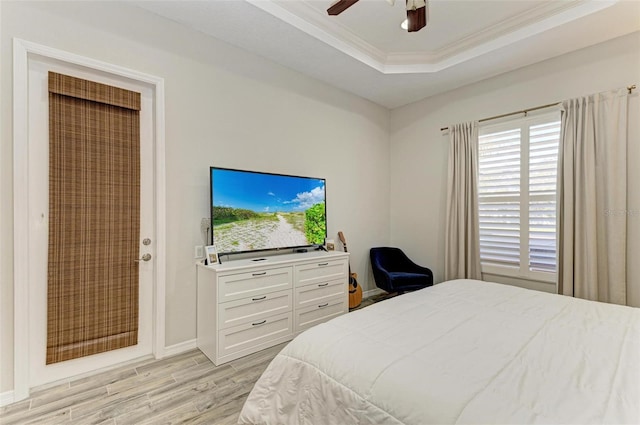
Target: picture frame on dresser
212,255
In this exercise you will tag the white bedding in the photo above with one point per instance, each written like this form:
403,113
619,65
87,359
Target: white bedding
463,351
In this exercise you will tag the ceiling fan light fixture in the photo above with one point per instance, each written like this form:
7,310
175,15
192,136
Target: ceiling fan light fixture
417,12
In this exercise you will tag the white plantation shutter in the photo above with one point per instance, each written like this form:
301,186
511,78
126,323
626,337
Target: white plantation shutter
543,167
499,197
542,236
517,185
500,233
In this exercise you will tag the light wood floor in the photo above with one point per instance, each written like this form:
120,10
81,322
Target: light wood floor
186,388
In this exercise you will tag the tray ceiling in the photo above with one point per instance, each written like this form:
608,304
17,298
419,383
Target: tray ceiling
364,50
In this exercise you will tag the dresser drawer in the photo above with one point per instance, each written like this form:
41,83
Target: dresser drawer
254,309
245,336
244,285
312,315
320,272
318,293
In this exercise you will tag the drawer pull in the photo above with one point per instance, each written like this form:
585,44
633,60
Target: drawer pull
259,323
323,284
323,264
323,305
258,299
259,274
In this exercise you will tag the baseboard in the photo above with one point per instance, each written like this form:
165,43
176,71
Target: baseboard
372,293
6,398
180,347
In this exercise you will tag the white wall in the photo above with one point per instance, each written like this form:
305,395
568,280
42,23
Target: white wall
419,149
224,107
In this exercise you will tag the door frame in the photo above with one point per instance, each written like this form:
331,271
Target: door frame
22,49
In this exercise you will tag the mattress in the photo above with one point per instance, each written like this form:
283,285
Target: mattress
463,351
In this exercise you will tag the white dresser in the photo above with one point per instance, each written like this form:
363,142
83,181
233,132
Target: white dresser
248,305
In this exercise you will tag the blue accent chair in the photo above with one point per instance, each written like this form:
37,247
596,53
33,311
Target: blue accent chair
393,271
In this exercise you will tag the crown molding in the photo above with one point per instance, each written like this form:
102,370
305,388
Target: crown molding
534,21
302,16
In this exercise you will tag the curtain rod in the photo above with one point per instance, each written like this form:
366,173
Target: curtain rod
524,111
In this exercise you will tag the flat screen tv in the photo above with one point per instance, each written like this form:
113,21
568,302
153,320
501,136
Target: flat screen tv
254,211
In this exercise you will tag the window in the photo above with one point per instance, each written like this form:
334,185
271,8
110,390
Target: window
517,184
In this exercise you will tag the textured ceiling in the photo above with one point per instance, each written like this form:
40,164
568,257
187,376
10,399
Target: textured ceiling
364,51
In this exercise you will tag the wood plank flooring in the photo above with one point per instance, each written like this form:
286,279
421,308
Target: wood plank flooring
187,388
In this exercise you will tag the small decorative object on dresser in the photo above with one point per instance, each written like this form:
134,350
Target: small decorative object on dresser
212,255
330,244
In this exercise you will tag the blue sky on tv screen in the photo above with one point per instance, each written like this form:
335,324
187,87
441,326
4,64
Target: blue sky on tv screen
265,192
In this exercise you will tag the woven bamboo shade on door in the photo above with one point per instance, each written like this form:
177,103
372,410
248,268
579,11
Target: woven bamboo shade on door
94,213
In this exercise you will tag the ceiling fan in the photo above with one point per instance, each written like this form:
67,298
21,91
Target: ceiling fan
416,12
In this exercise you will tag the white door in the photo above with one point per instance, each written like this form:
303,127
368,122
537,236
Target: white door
38,157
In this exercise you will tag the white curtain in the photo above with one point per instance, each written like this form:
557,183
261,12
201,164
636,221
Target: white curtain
462,239
592,198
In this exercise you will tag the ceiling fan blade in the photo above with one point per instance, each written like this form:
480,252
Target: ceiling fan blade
340,6
416,17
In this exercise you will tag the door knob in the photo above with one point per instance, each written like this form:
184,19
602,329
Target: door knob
145,257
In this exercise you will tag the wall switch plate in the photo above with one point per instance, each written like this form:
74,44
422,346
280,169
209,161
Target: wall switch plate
199,251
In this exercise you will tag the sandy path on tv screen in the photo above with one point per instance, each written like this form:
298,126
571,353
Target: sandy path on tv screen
258,234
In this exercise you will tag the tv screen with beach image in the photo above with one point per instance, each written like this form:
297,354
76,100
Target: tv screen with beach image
259,211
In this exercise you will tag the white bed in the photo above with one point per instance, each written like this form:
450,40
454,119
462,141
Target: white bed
463,351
